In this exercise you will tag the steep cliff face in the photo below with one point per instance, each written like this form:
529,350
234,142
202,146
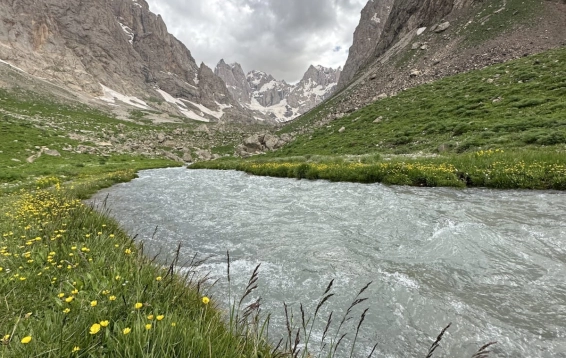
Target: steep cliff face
235,79
386,22
119,44
274,99
374,16
421,41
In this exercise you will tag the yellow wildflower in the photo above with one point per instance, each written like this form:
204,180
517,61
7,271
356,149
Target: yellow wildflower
112,298
138,305
104,323
61,295
93,303
66,310
69,299
75,291
127,251
75,349
126,330
150,317
205,300
95,328
26,340
158,278
148,326
160,317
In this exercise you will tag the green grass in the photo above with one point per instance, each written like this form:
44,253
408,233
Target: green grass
72,284
518,107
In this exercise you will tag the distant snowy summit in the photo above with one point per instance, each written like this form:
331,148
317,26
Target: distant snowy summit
278,100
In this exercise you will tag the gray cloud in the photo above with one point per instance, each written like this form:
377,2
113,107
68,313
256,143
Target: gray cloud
281,37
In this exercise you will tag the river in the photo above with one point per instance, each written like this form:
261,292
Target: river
492,263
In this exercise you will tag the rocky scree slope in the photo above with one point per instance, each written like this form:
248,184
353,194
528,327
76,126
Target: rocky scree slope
400,44
113,50
278,100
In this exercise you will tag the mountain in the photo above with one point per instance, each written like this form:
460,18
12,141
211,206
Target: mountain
115,50
400,44
271,98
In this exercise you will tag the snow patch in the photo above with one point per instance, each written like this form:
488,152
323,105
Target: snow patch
181,106
376,19
111,96
128,32
196,79
136,3
421,30
203,109
14,67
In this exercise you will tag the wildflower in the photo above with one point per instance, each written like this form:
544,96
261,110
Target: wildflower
160,317
148,326
117,277
26,340
75,349
173,324
93,303
205,300
112,298
105,292
6,338
69,299
158,278
95,328
73,247
111,235
150,317
138,305
126,330
66,310
61,295
104,323
75,291
127,251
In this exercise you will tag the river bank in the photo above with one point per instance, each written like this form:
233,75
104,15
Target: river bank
497,169
74,284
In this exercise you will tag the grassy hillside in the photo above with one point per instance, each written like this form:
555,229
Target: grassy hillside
515,112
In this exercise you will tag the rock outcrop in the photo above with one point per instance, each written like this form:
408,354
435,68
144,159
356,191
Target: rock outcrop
113,49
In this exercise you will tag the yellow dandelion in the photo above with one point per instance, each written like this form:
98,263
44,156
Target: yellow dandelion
148,326
26,339
138,305
95,328
111,235
205,300
75,349
66,310
127,251
69,299
75,291
150,317
93,303
61,295
126,330
104,323
160,317
158,278
112,298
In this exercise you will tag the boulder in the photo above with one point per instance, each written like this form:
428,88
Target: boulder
187,157
442,27
51,152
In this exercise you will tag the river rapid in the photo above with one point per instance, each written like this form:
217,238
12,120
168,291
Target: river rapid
492,263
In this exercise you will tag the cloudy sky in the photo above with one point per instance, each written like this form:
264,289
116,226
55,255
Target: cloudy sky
280,37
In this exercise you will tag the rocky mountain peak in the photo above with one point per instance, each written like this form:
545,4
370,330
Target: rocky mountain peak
116,50
274,98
